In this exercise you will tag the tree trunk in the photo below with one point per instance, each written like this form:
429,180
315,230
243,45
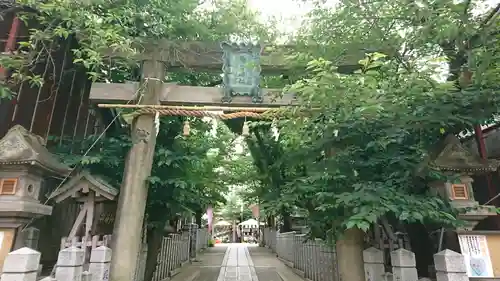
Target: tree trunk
272,220
197,217
420,241
451,241
269,222
154,239
287,222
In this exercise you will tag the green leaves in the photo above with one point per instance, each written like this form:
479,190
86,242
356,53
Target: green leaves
184,174
381,128
353,160
5,93
99,30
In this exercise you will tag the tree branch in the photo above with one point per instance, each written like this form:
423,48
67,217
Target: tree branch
466,8
490,16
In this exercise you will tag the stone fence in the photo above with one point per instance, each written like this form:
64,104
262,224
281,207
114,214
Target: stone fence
174,253
269,238
24,264
316,261
311,259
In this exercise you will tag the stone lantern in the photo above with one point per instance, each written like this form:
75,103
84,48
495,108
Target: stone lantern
24,163
458,165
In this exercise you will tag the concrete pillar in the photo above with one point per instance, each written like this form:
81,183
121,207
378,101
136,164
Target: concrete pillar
100,259
373,259
404,265
70,264
450,266
21,265
350,255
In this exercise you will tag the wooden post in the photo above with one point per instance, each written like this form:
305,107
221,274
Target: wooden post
134,190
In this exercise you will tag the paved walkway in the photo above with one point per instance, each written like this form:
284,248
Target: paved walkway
236,262
237,265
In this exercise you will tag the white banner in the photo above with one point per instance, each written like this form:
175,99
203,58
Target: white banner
477,256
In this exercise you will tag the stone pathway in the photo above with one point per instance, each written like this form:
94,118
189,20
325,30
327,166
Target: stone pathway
237,265
236,262
270,268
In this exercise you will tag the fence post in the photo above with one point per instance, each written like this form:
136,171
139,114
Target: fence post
193,235
450,266
404,265
21,265
169,253
314,259
373,259
295,249
100,259
308,265
186,246
197,239
204,238
272,240
177,260
70,264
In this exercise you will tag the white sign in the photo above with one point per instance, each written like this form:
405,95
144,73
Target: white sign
477,256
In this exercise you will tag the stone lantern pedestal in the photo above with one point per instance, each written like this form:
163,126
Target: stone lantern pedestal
24,164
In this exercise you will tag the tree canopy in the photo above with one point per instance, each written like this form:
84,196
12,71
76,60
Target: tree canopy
92,28
349,154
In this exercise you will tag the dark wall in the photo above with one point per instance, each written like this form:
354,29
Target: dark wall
61,106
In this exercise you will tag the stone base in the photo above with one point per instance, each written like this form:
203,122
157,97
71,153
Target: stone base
68,273
31,276
441,276
405,273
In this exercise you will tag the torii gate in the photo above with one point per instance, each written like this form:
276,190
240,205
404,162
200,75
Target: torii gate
241,64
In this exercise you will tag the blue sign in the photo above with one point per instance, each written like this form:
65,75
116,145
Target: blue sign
241,70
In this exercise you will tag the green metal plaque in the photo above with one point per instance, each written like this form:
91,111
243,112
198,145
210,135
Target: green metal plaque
241,70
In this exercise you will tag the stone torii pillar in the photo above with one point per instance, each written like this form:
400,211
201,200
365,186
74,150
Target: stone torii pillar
134,189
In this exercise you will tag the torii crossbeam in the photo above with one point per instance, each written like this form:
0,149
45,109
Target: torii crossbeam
241,66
